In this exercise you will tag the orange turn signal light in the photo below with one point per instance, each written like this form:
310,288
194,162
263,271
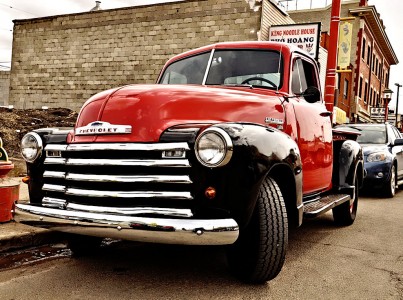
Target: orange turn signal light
210,193
25,179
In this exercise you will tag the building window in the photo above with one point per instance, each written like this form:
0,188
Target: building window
363,48
369,56
374,99
373,63
345,89
360,87
370,96
366,91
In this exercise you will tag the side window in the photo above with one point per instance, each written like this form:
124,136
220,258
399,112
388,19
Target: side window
303,76
396,132
298,77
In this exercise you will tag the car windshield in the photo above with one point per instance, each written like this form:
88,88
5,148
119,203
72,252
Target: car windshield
259,68
372,134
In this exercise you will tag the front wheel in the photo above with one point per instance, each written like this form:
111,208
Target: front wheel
345,213
259,253
389,189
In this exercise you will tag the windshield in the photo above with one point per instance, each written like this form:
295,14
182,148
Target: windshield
259,68
372,134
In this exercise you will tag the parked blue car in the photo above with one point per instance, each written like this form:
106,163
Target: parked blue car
382,145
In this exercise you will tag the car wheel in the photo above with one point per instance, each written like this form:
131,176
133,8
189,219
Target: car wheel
259,253
345,213
81,245
390,185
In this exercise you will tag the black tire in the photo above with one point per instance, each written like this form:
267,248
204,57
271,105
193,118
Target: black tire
259,253
389,190
345,213
81,245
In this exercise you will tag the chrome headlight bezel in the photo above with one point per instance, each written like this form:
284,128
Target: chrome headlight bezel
224,147
36,139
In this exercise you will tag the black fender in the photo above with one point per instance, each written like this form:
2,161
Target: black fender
35,170
348,162
259,151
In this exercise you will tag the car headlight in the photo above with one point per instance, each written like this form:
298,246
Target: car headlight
31,146
377,156
213,147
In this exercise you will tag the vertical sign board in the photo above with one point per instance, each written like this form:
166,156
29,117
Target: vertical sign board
305,36
344,52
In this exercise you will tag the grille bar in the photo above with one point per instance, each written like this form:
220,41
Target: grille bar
132,210
184,179
119,162
129,194
123,147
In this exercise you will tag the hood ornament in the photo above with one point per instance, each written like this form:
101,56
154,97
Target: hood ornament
99,127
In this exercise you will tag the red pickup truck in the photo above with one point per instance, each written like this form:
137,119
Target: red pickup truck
233,145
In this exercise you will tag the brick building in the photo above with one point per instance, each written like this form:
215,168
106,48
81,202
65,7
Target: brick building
60,61
371,57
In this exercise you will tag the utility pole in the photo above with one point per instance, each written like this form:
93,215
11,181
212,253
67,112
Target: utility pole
330,83
397,102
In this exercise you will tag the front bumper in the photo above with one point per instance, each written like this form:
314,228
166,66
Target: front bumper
377,174
142,229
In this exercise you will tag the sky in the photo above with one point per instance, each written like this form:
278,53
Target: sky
390,13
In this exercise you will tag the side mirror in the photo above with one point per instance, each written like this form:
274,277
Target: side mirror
311,94
398,142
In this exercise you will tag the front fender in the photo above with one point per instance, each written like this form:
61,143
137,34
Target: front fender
260,151
348,160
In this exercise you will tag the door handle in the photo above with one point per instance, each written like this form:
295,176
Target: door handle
326,114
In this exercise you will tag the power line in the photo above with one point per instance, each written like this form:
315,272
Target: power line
18,9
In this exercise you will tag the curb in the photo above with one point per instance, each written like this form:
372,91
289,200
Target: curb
15,236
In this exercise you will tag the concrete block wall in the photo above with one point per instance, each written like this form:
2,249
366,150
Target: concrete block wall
4,87
60,61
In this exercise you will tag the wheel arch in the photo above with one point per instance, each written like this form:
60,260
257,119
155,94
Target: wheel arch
348,162
288,185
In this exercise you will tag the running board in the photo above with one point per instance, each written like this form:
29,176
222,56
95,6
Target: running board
324,204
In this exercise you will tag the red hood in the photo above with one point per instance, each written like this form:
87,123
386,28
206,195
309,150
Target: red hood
151,109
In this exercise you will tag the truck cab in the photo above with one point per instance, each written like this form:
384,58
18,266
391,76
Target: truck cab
231,146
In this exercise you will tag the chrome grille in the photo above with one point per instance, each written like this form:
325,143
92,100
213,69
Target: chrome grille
118,175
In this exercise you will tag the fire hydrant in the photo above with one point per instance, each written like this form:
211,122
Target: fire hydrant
9,187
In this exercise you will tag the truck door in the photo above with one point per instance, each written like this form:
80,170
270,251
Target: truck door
314,128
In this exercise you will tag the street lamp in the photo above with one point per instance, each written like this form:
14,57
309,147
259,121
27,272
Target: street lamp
397,101
387,96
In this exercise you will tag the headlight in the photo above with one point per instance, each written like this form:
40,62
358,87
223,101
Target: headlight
31,146
377,156
213,147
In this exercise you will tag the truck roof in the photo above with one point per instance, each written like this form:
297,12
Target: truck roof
284,47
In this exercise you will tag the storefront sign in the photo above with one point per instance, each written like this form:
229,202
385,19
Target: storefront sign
305,36
339,116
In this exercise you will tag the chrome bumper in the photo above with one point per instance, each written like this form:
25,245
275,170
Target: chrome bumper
154,230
